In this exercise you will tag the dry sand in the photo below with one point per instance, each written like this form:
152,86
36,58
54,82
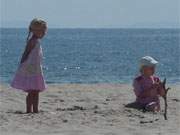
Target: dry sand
85,109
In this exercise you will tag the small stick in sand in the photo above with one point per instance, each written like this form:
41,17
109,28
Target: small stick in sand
165,98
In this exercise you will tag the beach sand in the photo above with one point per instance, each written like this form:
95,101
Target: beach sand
86,109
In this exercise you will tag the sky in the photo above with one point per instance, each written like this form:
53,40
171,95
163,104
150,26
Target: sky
92,13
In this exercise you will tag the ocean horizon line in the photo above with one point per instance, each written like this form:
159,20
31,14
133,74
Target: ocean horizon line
178,28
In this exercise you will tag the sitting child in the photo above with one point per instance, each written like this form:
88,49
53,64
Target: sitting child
148,87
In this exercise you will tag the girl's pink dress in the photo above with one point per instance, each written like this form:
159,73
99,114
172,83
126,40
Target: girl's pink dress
142,84
29,76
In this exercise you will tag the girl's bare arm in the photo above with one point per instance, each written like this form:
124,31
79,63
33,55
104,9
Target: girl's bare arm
161,90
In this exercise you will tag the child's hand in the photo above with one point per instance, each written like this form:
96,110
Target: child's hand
155,85
161,90
158,87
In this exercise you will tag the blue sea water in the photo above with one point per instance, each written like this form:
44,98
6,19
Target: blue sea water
95,55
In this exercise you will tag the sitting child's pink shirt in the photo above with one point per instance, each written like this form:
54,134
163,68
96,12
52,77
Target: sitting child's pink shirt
141,86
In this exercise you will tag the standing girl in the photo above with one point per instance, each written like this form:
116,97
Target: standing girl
29,76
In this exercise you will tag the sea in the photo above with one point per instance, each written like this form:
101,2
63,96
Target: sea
94,55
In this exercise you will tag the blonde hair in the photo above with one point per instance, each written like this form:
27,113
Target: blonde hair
141,69
35,23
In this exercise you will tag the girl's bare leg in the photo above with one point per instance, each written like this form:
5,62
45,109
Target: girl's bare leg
29,103
35,102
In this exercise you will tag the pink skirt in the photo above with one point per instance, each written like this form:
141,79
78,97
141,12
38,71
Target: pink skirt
29,83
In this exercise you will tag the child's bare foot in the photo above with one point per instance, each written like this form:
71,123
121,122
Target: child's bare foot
35,111
28,112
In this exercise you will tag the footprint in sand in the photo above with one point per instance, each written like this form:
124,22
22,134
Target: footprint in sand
16,112
144,122
65,121
80,100
149,121
176,100
74,108
58,100
52,96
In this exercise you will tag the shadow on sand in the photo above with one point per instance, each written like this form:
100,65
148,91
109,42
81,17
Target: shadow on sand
135,105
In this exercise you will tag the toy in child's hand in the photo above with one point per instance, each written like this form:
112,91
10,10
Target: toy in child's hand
165,98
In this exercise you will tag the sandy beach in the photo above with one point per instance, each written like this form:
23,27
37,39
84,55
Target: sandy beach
86,109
